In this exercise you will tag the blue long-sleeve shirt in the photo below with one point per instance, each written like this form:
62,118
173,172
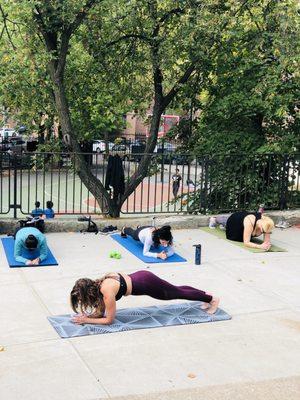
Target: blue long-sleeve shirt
49,212
145,237
20,247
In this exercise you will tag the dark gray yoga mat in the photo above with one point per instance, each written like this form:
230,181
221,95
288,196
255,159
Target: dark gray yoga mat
128,319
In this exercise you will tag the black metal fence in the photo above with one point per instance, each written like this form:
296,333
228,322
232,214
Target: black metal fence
206,184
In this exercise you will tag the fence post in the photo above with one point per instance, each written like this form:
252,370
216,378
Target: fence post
284,183
205,189
162,161
15,206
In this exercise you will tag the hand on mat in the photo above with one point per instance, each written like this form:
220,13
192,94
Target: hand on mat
266,246
80,319
162,255
36,261
29,262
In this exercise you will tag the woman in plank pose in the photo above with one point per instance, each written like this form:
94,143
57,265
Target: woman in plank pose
242,226
95,300
152,237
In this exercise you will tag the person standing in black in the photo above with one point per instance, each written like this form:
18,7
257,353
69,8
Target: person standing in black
176,179
115,176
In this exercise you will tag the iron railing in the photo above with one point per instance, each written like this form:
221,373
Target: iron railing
208,184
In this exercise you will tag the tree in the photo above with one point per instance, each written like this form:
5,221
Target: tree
166,44
249,100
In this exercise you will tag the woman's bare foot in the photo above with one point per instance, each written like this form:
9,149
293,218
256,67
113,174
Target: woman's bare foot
214,304
205,306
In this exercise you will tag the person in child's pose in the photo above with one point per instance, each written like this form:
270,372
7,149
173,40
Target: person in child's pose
100,296
30,241
49,212
242,226
151,236
37,211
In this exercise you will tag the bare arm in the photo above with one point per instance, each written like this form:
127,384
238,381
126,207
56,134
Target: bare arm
248,229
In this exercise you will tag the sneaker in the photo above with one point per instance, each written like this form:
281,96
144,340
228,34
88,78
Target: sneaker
212,222
123,234
112,228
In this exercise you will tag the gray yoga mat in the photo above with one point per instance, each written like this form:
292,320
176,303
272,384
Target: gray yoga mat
140,318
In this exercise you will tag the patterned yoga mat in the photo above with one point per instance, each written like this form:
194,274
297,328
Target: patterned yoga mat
140,318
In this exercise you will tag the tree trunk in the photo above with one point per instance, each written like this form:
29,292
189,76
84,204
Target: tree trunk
81,167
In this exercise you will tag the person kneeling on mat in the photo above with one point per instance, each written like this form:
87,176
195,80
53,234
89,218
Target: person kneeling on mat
95,300
242,226
30,240
151,236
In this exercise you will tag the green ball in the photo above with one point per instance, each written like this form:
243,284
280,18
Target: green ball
118,256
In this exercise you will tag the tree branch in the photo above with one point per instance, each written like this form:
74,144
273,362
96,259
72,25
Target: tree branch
5,28
175,89
252,16
165,17
49,37
82,15
67,33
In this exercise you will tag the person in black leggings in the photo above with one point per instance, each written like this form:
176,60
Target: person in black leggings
152,237
100,296
242,226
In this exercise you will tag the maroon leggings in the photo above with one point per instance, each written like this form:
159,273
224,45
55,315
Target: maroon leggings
146,283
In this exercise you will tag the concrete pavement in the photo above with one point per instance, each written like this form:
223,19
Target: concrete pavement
255,355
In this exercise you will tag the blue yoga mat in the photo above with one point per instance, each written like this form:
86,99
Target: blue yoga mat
136,248
129,319
8,244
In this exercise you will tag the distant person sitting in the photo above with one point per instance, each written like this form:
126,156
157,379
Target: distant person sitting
37,211
30,246
49,212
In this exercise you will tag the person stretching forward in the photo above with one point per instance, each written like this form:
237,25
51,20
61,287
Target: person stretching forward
30,241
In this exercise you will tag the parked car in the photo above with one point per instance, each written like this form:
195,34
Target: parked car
15,160
120,147
165,147
6,133
4,145
17,144
99,146
135,151
167,154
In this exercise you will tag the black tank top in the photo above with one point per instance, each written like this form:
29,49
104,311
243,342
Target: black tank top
235,225
123,285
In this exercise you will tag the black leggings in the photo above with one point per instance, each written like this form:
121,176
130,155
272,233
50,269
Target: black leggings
134,233
146,283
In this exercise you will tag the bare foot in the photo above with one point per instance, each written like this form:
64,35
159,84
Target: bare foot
205,306
213,305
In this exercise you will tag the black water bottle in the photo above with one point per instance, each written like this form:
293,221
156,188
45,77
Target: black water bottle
197,254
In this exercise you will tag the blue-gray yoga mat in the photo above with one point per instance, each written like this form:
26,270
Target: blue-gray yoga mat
136,248
140,318
8,244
